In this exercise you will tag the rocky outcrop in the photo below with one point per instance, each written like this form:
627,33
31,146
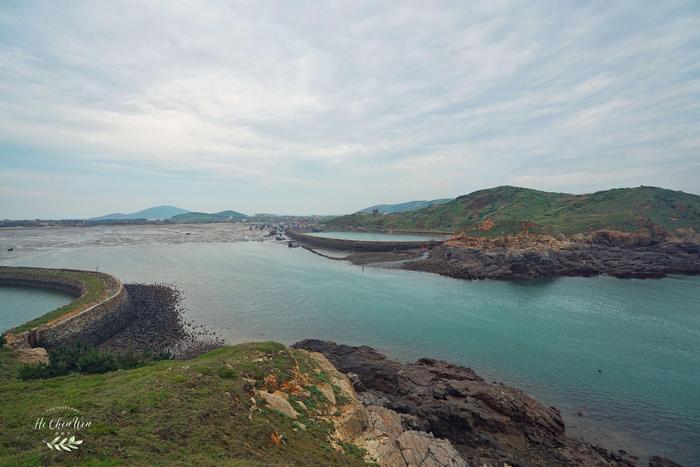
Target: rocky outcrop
380,431
387,441
30,356
529,256
490,424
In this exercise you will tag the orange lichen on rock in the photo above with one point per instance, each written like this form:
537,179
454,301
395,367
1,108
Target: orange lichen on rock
487,225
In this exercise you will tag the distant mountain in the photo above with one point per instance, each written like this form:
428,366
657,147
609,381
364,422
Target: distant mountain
509,210
404,207
203,217
156,212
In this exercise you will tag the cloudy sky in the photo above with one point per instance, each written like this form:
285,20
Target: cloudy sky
328,107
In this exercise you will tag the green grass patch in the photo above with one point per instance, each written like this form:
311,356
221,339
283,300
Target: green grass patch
167,413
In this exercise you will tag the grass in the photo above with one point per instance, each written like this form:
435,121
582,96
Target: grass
94,288
195,412
503,210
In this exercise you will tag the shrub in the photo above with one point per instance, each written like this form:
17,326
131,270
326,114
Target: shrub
97,362
80,358
34,371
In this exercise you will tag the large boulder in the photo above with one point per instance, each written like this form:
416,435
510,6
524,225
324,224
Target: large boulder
33,356
279,404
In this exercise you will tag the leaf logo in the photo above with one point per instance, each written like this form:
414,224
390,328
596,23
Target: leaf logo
65,444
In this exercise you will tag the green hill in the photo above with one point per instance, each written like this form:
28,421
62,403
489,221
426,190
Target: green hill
507,210
404,207
203,217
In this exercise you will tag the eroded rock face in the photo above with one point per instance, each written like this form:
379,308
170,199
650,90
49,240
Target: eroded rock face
489,424
390,444
382,432
488,259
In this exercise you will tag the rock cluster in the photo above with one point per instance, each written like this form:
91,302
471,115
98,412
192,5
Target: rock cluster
524,257
156,325
489,424
381,431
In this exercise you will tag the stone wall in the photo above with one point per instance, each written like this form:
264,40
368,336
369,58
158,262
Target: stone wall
91,326
99,321
355,245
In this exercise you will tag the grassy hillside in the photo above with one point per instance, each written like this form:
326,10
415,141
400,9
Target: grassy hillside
203,217
508,210
404,207
194,412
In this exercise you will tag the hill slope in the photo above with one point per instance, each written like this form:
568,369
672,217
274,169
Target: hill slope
156,212
509,210
191,412
203,217
404,207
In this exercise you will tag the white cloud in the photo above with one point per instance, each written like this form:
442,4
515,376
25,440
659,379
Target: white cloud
333,96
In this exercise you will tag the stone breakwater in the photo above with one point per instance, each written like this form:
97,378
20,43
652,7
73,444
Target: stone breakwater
124,317
88,321
358,246
489,424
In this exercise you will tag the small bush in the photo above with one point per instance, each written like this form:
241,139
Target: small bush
39,371
226,373
80,358
97,362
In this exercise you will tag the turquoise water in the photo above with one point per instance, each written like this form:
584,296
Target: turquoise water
17,304
624,352
381,237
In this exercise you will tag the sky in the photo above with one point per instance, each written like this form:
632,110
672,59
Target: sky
297,107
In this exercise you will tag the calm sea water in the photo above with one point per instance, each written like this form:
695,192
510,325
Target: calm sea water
17,304
626,353
381,237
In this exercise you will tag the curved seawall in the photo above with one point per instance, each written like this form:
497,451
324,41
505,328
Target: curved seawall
100,309
359,245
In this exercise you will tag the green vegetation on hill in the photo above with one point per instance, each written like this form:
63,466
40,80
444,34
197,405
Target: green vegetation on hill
203,217
193,412
510,210
404,207
94,289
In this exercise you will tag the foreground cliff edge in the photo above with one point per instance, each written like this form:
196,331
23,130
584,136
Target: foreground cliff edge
316,403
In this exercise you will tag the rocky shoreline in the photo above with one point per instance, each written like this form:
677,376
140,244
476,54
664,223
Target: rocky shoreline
489,424
522,257
157,325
